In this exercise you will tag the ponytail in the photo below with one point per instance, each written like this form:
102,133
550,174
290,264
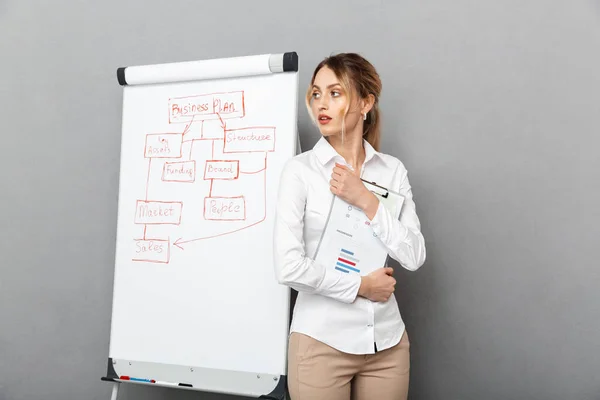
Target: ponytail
372,127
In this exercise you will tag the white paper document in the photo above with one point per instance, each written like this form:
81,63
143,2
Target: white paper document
348,243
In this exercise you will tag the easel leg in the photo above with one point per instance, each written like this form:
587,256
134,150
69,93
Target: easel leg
115,391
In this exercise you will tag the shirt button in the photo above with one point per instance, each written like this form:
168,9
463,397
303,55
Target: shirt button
370,325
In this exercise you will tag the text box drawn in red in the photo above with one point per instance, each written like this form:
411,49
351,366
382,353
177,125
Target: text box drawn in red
184,171
163,145
225,208
222,169
206,107
158,212
151,250
252,139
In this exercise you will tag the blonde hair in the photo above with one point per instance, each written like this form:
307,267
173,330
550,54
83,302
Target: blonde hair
354,72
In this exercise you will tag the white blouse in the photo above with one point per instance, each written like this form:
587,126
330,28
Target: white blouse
327,307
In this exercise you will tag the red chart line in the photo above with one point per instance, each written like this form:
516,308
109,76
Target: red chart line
148,178
265,188
147,186
256,172
253,172
195,140
212,156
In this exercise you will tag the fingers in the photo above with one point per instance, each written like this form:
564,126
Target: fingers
335,184
333,187
389,270
337,174
384,297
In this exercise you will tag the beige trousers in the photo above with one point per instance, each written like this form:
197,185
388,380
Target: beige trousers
317,371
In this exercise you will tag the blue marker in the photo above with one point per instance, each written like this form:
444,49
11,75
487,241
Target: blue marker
128,378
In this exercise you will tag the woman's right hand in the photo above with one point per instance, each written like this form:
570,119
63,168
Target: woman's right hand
378,285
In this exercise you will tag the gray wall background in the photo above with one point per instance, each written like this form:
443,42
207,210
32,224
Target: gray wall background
494,107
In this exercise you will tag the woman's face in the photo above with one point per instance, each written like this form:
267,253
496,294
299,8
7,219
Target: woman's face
329,103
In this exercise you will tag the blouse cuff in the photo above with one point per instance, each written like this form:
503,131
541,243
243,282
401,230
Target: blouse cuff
339,285
384,225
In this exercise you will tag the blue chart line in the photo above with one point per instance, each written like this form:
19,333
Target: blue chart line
346,261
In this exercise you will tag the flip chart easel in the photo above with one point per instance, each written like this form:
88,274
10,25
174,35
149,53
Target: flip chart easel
196,305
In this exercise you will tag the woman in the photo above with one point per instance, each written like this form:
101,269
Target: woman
347,340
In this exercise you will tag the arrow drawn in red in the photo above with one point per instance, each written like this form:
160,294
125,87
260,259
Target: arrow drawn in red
223,124
178,243
188,126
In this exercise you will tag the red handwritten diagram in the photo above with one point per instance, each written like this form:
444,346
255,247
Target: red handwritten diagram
205,177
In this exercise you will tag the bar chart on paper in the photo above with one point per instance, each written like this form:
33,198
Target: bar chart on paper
348,243
347,261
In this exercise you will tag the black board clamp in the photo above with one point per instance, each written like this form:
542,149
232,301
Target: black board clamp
280,392
111,374
290,62
121,76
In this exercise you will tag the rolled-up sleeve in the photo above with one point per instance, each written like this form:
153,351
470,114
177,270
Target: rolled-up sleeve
401,236
292,267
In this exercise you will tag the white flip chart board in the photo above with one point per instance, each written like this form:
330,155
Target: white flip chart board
196,303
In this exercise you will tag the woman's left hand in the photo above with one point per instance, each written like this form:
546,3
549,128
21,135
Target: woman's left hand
348,186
